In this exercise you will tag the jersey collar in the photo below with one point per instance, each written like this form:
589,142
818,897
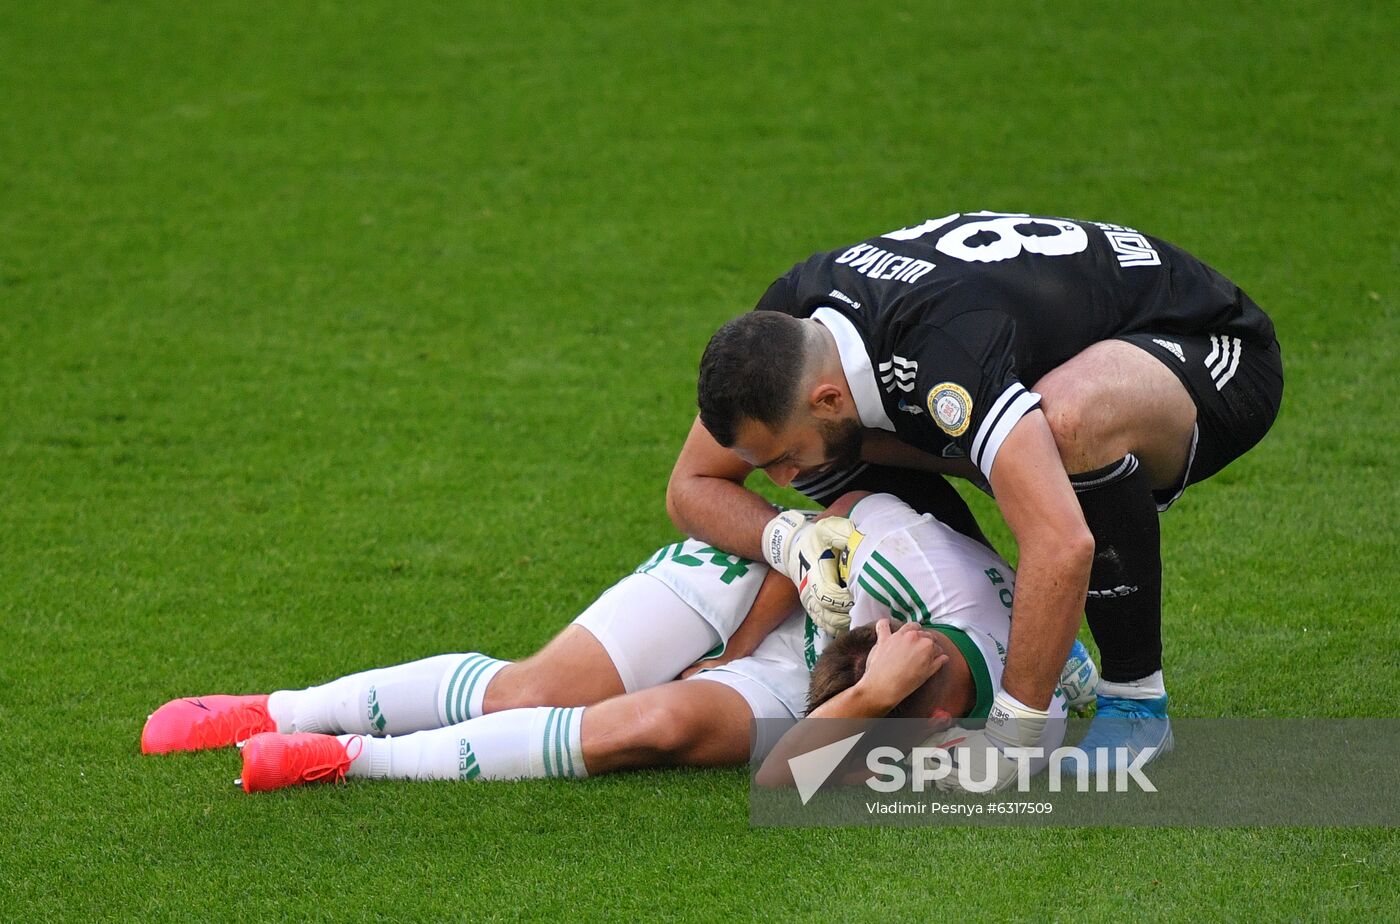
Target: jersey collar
855,362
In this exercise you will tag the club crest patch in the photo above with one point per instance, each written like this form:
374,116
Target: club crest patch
951,406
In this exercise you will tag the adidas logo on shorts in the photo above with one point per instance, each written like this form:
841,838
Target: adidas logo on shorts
1224,359
1174,348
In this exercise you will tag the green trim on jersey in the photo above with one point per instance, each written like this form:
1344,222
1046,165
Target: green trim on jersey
903,598
977,663
866,586
905,604
900,608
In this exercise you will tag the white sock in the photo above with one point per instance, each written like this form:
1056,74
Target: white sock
396,700
535,743
1149,687
463,691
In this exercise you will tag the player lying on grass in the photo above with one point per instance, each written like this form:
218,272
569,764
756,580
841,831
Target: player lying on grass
596,698
910,672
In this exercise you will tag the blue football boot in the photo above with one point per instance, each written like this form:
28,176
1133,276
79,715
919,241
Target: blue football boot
1126,727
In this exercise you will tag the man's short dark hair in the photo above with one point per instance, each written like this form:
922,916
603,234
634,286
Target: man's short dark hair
842,664
752,368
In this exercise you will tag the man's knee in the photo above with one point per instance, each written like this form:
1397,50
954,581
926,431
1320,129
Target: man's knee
520,686
574,669
1081,421
1113,399
668,730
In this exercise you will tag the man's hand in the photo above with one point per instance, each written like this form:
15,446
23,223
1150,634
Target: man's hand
702,665
806,550
1011,727
899,663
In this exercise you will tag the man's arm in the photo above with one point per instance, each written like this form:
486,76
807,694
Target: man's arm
1057,551
706,497
884,448
776,601
898,665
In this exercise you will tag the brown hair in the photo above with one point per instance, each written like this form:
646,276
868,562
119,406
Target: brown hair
842,664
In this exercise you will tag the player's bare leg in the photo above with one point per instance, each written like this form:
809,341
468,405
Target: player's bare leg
1113,399
572,669
696,723
1124,425
637,635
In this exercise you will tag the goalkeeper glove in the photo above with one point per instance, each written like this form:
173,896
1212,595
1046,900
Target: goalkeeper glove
995,756
805,549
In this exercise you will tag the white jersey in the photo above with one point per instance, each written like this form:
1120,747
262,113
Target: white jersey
912,568
908,567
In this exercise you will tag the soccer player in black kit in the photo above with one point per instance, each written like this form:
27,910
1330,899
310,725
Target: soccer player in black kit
1088,373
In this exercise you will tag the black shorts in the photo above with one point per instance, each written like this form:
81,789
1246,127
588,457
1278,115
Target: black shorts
1237,386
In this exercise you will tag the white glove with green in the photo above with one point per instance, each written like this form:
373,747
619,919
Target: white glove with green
806,550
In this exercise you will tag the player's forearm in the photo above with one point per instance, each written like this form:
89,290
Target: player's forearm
1050,589
1057,550
721,512
854,704
884,448
776,600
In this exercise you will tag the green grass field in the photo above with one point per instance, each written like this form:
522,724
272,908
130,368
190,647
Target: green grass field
333,337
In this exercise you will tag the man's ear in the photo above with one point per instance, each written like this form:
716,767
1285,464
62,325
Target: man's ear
827,401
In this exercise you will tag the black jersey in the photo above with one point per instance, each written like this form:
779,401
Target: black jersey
939,324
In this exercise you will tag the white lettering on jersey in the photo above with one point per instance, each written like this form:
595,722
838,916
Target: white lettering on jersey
871,261
914,232
1131,247
898,373
837,293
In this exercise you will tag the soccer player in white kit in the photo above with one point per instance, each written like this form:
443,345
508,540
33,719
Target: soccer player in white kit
601,697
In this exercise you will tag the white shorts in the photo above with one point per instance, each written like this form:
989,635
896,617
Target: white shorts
650,634
773,681
680,606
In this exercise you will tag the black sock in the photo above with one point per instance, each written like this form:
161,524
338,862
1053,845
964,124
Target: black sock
1124,606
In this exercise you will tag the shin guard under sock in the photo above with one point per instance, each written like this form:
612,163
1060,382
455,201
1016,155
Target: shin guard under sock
1124,605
